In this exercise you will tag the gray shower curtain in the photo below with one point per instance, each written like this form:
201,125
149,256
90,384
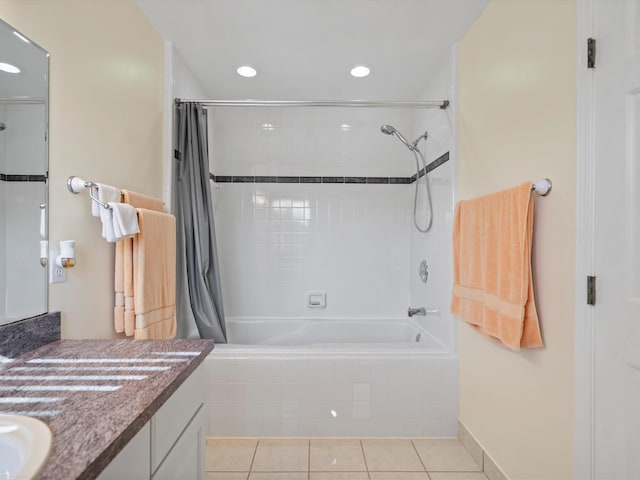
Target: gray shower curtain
199,296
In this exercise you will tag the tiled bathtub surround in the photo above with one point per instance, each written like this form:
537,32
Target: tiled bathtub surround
289,392
277,242
20,337
300,218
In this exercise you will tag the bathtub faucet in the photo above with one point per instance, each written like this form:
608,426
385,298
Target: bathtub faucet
416,311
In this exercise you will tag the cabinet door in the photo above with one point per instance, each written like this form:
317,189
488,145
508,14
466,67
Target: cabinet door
133,461
186,460
172,418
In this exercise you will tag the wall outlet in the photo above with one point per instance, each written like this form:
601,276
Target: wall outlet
56,274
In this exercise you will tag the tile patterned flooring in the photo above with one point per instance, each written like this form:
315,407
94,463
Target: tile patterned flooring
339,459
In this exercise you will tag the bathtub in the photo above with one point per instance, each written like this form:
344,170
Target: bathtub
331,377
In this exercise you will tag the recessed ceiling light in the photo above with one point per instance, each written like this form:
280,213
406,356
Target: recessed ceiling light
7,67
268,127
360,71
246,71
345,127
21,37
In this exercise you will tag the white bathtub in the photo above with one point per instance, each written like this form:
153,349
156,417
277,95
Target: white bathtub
331,377
403,332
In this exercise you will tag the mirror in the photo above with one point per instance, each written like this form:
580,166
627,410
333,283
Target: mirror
24,88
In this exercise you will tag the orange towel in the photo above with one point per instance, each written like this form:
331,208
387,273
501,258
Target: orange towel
124,310
118,310
493,285
154,275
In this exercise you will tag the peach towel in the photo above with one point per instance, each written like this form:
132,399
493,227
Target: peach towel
154,275
124,310
493,283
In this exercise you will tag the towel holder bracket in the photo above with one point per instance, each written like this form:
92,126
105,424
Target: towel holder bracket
77,184
542,187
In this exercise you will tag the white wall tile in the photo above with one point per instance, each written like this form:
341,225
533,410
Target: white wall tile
420,401
308,237
25,277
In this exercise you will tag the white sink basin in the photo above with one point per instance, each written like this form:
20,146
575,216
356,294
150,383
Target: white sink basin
25,443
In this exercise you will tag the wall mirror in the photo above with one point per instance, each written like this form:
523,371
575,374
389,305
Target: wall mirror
24,92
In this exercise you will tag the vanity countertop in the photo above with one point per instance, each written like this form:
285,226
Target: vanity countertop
95,395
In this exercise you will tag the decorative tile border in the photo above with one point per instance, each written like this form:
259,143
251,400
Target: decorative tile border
342,180
22,178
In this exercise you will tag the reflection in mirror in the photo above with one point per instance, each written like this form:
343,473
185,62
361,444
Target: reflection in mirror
24,71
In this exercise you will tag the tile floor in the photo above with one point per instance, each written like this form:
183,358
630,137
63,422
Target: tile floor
339,459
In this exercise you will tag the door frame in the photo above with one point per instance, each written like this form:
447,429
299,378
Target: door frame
584,316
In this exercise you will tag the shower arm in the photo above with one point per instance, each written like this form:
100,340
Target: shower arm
425,135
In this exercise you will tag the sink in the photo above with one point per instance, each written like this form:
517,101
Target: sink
25,443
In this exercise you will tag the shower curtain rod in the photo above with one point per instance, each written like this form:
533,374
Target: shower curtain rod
317,103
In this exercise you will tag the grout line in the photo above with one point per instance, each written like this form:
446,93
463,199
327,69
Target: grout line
253,458
419,457
366,465
308,459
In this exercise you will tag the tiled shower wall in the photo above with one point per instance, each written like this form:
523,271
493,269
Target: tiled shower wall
278,242
22,152
357,243
436,246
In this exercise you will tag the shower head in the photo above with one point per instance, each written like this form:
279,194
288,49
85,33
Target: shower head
2,126
390,130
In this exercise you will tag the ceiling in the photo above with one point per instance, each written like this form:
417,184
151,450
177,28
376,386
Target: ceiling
304,49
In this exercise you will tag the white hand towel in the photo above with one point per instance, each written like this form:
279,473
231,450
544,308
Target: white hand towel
106,194
125,220
106,217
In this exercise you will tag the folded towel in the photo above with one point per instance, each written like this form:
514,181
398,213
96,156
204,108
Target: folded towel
118,311
493,283
124,310
154,253
139,200
129,292
125,220
106,194
106,217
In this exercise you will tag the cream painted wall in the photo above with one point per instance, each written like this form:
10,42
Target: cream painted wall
106,114
517,110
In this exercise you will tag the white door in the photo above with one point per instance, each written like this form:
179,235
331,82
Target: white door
616,82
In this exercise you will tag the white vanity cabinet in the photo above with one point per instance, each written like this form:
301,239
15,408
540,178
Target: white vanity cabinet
172,444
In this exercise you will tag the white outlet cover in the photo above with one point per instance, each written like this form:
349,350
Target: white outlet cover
56,274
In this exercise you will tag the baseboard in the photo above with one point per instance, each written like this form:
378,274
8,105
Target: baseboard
484,461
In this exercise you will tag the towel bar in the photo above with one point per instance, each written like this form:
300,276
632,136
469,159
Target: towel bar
76,185
542,187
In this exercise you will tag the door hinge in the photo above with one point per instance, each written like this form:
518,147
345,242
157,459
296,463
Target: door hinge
591,52
591,290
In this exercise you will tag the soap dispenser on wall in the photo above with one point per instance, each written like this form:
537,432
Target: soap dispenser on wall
67,257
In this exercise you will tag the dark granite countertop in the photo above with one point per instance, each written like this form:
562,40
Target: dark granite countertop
93,418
